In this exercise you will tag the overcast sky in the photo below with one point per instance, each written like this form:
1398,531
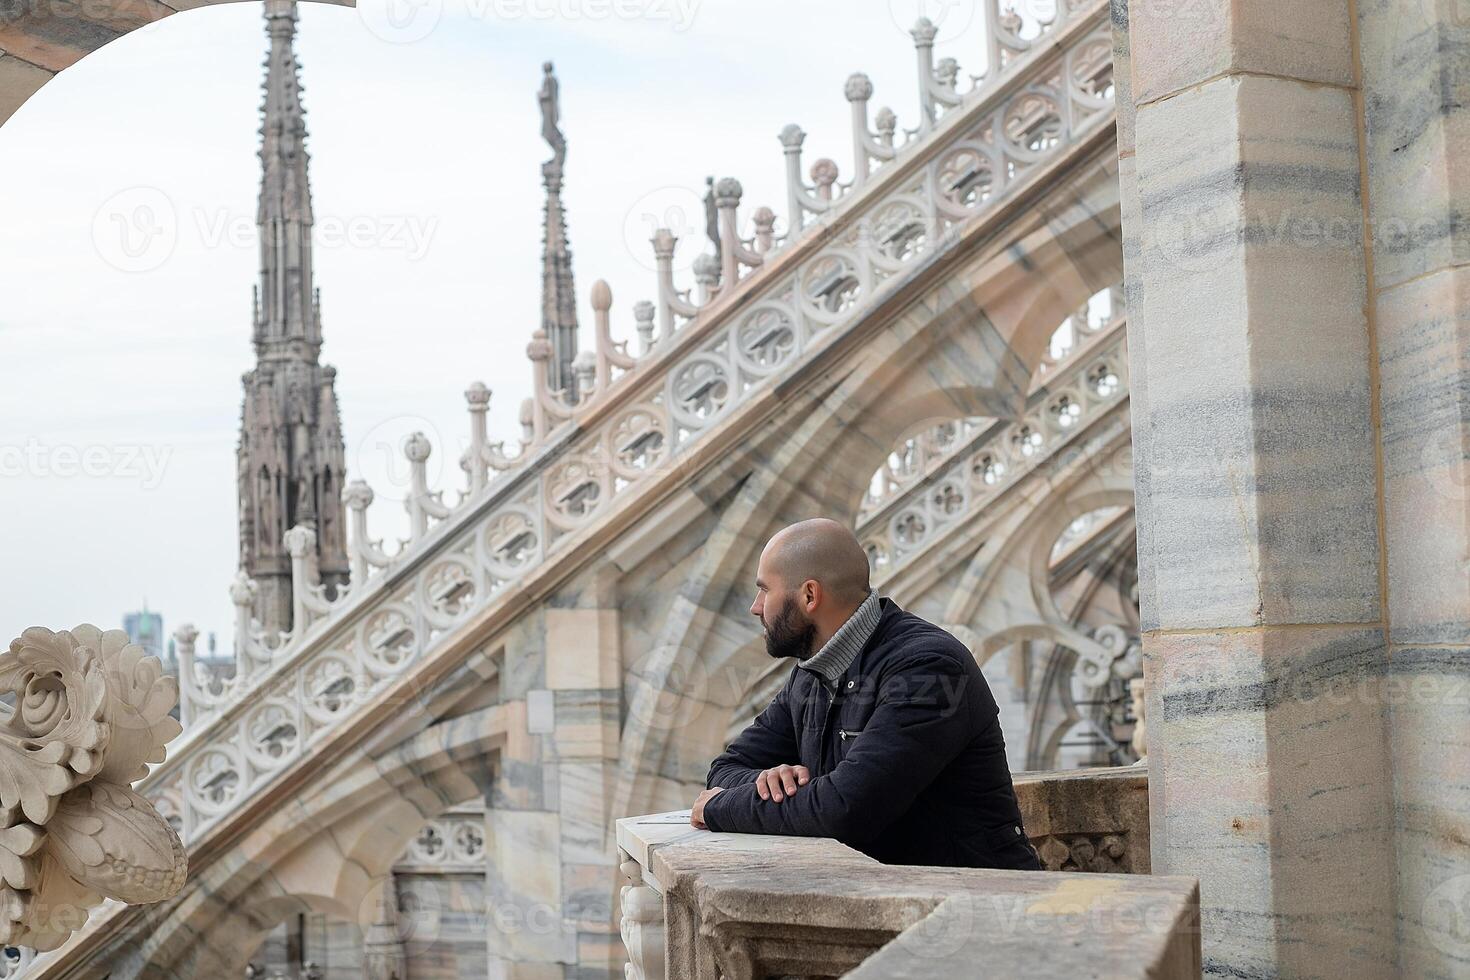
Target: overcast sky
120,368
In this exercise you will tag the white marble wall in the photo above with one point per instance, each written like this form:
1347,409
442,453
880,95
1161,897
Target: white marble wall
1299,396
1416,87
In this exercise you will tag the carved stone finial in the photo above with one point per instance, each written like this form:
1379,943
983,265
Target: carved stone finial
242,589
792,136
359,495
663,243
858,88
924,31
887,121
707,270
300,540
643,314
764,220
91,713
528,420
539,349
187,634
728,192
417,447
478,396
824,172
1011,21
601,296
947,72
585,367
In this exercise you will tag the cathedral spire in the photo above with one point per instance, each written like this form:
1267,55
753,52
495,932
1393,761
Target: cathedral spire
286,318
291,458
558,298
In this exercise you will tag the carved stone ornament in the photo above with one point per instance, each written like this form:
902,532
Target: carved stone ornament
85,713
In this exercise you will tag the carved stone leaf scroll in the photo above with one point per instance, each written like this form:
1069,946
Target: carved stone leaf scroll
56,723
111,840
89,712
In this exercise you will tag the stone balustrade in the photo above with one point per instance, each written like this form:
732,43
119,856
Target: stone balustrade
1087,819
739,906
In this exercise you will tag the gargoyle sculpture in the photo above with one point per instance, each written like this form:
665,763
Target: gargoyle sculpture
83,714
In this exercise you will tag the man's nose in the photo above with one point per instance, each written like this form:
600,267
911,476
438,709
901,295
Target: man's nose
755,607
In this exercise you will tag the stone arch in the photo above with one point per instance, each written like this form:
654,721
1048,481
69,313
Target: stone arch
1059,711
41,39
949,354
1027,544
757,694
1056,520
266,914
1009,581
1057,633
329,850
1066,250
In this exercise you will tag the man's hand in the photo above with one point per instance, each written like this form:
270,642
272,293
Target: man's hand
696,815
779,782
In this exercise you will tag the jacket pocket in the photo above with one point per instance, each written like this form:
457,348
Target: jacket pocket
1010,848
1000,846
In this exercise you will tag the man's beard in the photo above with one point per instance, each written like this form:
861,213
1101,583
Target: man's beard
790,634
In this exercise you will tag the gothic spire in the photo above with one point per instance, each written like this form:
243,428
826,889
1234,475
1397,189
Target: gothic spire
291,460
286,317
558,298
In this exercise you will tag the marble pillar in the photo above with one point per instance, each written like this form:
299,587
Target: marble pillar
552,870
1260,506
1415,59
584,676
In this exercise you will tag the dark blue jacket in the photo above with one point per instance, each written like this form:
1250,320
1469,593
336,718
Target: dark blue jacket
907,759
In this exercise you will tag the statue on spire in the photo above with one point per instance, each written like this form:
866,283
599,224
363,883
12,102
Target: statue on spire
550,98
711,215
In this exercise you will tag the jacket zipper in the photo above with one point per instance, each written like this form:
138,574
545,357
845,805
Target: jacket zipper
826,720
844,734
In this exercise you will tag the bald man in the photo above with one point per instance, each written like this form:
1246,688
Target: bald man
885,736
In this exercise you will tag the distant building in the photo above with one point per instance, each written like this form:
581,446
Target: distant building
146,629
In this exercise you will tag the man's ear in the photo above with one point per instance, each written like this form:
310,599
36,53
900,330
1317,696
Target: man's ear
811,594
